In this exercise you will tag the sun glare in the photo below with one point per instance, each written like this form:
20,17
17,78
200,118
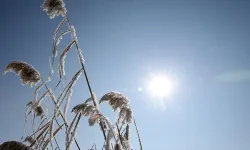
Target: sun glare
161,86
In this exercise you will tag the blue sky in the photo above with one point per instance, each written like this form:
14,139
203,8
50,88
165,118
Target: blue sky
204,45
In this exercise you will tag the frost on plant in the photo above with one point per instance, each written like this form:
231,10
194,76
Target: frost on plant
109,124
108,141
119,147
44,136
54,8
116,100
89,100
68,98
62,59
81,58
28,74
73,31
125,115
84,109
93,119
36,108
60,37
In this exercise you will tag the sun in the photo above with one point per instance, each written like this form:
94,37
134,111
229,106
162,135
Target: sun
161,86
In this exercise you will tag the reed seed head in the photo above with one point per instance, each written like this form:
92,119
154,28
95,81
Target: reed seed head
54,8
93,119
85,109
28,74
39,111
125,115
116,100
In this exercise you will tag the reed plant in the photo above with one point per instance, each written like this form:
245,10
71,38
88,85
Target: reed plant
116,135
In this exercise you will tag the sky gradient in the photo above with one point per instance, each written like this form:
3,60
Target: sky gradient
202,44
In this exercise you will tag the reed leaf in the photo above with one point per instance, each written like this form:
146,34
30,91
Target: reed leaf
62,59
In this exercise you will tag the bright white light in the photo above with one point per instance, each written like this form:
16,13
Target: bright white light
161,86
139,89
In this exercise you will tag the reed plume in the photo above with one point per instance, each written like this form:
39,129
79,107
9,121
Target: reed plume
36,108
28,74
14,145
84,109
125,115
54,8
116,100
93,119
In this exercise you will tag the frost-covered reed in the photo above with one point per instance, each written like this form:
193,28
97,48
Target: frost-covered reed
44,136
28,74
54,8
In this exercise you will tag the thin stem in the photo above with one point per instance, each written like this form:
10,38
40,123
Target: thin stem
78,146
66,135
123,130
69,129
119,134
121,127
37,143
40,129
60,112
93,146
86,77
54,134
33,122
72,123
37,138
74,131
51,144
44,136
55,137
138,135
57,143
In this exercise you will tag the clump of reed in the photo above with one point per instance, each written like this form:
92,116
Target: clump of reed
116,135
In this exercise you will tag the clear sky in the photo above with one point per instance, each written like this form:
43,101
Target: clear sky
203,44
